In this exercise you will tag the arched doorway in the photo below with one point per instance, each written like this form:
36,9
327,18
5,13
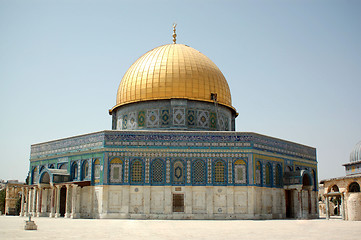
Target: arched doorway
354,187
62,201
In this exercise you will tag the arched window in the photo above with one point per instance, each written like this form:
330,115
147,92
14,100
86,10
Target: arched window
240,175
219,172
258,173
45,178
63,166
74,171
137,172
116,170
85,169
268,174
97,169
354,187
157,169
178,173
35,175
51,166
199,172
278,175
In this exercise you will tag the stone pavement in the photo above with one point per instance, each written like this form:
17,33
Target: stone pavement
59,228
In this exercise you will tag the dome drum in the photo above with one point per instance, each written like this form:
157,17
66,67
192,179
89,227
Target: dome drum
173,114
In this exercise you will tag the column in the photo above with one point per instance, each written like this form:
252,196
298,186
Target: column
22,201
26,212
327,208
57,202
52,201
300,203
30,197
343,207
34,201
67,202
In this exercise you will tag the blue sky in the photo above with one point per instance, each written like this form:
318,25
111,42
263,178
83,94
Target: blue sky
293,67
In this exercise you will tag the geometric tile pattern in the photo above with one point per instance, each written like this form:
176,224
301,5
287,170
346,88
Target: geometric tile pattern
125,121
116,172
164,117
219,172
209,171
153,118
157,171
213,120
202,118
141,119
178,176
258,173
230,171
191,118
179,116
132,121
168,171
199,174
240,173
188,171
147,160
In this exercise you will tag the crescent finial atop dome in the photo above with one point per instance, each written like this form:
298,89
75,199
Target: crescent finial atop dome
174,34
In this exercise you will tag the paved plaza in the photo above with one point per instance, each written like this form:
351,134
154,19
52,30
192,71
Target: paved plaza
60,228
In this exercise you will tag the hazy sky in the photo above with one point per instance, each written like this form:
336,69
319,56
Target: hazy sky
293,67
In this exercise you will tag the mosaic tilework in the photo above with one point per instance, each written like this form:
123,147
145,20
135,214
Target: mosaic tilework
199,174
191,118
219,172
102,139
258,174
209,171
168,171
132,122
202,119
146,175
226,125
153,118
137,171
116,173
188,171
125,121
213,120
157,171
179,116
164,117
221,122
119,123
178,176
230,171
141,119
240,174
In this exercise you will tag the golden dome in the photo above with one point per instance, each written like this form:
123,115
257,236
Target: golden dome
173,71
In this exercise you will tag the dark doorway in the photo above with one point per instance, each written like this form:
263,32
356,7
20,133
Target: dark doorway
289,203
62,201
178,202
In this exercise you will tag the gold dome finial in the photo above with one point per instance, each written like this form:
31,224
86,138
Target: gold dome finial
174,34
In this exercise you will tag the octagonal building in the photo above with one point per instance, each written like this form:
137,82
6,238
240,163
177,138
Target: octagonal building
172,153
